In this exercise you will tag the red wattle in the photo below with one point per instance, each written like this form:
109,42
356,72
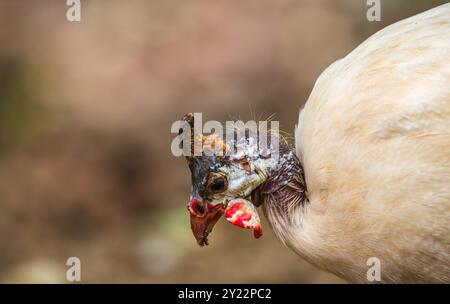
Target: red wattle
239,214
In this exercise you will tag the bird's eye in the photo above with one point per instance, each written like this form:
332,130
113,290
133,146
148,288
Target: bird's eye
217,184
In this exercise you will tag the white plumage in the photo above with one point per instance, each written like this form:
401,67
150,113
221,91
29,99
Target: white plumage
374,141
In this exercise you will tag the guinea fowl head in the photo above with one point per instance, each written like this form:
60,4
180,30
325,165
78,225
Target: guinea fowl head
225,178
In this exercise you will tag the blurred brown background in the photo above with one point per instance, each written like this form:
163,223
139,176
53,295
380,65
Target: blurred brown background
85,115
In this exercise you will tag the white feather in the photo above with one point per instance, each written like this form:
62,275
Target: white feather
374,140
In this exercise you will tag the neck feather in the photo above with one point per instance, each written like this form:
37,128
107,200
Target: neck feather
284,190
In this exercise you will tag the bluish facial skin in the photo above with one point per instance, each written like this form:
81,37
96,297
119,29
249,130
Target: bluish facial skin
219,179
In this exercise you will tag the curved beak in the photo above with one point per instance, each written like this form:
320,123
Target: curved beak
203,218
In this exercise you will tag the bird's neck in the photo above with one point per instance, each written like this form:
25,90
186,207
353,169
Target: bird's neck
284,190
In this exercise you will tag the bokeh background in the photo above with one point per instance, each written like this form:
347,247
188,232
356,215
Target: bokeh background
85,113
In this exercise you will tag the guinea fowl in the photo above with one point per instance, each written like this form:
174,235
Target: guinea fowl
370,172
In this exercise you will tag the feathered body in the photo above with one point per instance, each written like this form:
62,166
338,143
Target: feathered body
374,143
370,176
